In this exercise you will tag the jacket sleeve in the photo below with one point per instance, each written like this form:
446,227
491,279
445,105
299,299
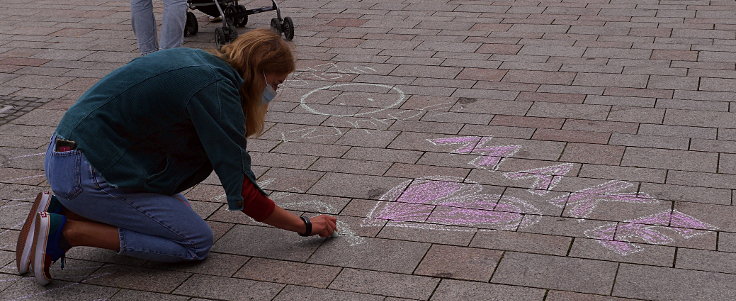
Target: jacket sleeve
219,121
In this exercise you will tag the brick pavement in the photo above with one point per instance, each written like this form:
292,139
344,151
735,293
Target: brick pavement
488,150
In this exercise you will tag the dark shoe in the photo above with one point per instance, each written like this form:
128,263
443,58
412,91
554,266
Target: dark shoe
49,245
44,202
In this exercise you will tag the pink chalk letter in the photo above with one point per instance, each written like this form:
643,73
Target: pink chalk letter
469,143
545,178
584,201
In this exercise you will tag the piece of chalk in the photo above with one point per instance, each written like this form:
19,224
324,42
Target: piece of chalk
334,234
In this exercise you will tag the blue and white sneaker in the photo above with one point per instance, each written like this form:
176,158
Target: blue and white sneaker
44,202
49,245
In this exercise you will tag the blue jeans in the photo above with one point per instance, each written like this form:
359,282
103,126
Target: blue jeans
151,226
144,24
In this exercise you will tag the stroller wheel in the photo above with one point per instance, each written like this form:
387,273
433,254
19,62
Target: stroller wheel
276,25
241,17
288,28
190,27
220,38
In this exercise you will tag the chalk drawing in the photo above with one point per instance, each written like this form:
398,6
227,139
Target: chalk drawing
324,72
490,157
447,201
545,178
393,101
617,237
309,133
583,202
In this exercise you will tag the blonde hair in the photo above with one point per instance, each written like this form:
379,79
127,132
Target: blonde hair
255,53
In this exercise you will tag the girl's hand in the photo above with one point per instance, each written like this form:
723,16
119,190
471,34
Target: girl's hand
323,225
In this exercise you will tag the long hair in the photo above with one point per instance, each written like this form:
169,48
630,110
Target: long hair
253,54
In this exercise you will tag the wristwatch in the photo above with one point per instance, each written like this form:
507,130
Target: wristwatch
308,225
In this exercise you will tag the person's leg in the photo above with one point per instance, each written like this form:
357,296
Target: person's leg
172,29
149,226
144,25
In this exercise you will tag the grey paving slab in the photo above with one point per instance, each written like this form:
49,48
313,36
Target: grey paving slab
228,288
138,278
124,295
28,289
341,185
272,243
371,253
293,292
522,242
286,272
387,284
705,260
727,242
648,254
553,272
217,264
470,290
658,283
459,263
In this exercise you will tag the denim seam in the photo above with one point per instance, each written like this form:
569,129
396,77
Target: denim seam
125,200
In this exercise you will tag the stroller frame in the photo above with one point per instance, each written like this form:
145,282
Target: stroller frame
234,15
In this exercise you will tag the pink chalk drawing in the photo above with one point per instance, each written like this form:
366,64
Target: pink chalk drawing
545,178
469,143
617,237
491,156
446,201
584,201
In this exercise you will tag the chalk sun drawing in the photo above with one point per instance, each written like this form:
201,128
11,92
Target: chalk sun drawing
391,102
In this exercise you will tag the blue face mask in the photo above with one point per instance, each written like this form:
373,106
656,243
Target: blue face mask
268,92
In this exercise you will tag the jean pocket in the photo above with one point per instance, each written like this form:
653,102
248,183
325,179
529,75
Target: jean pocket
64,173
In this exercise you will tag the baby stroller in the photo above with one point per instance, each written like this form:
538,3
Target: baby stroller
234,15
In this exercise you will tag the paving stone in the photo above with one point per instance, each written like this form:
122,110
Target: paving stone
281,160
562,226
705,260
27,288
650,141
228,288
621,100
492,106
727,242
124,295
716,215
418,170
522,242
600,126
341,185
397,285
712,145
670,159
687,193
350,166
372,253
545,271
593,153
677,131
577,111
648,254
272,243
623,173
284,272
421,232
470,290
571,136
217,264
384,155
497,131
659,283
292,292
459,263
138,278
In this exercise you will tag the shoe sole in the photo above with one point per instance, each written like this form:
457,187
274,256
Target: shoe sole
25,239
39,249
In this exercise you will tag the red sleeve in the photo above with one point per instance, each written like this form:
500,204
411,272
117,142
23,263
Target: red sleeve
255,204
